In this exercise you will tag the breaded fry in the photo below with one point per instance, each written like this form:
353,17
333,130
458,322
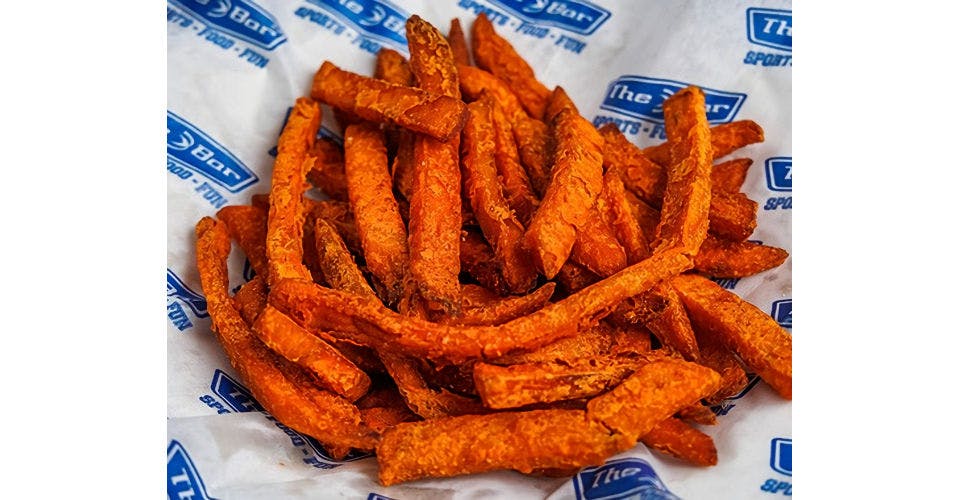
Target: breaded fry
320,414
574,277
672,326
251,298
685,212
318,308
724,139
339,214
729,175
765,347
247,226
435,203
437,116
458,43
621,216
337,264
382,418
419,397
516,183
327,172
482,186
330,368
475,81
382,233
736,259
597,247
284,241
733,216
651,395
698,413
576,181
393,68
674,437
484,307
495,54
478,261
719,359
522,441
639,174
558,101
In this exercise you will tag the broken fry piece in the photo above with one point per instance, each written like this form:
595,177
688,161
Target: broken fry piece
674,437
729,175
736,259
733,216
393,68
495,54
419,397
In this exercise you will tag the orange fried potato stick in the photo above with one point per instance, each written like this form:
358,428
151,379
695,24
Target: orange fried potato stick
676,438
484,191
325,416
248,227
672,326
458,43
336,263
597,247
419,397
393,68
495,54
318,308
685,214
435,203
619,214
327,173
733,216
484,307
285,220
724,139
576,181
478,261
522,441
382,234
330,368
437,116
516,183
719,359
765,347
251,298
729,175
736,259
651,395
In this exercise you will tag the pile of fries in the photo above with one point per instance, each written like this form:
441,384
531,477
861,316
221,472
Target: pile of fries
493,283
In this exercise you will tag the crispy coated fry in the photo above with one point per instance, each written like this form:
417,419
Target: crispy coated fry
336,263
458,43
685,213
437,116
672,326
719,359
522,441
516,183
332,370
248,227
382,418
558,101
317,308
495,54
320,414
651,395
435,203
251,298
699,414
733,216
483,307
477,260
392,67
419,397
382,234
576,181
475,81
592,342
673,437
327,173
500,227
597,247
619,214
285,220
337,213
736,259
519,385
639,174
765,347
724,139
574,277
729,175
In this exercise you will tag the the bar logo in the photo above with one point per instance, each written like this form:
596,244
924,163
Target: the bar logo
621,479
779,172
189,147
642,97
770,28
577,16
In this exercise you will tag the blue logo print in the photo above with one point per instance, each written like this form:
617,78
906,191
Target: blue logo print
176,289
190,148
770,28
183,480
374,496
779,173
240,18
233,393
783,312
781,455
577,16
619,479
380,19
642,97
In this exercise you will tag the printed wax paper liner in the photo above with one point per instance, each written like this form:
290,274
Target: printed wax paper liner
235,68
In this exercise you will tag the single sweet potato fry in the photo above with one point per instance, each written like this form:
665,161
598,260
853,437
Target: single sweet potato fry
458,43
597,247
392,67
484,192
698,413
484,307
336,263
327,173
729,175
724,139
419,397
672,326
247,226
318,308
621,216
522,441
381,418
317,413
478,261
338,214
736,259
576,181
495,54
733,216
640,175
685,212
674,437
284,241
651,395
765,347
251,298
574,277
437,116
719,359
558,101
382,233
330,368
516,183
